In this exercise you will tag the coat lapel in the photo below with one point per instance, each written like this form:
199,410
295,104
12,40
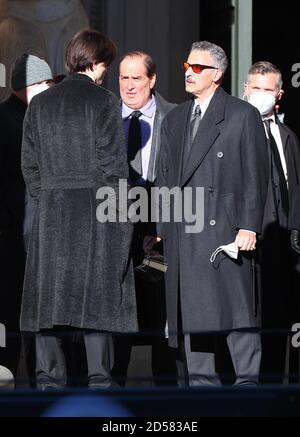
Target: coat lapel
284,136
177,142
155,145
206,135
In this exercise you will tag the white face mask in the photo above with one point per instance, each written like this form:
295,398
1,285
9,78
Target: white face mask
263,101
230,249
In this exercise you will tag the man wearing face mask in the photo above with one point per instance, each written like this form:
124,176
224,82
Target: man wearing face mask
263,88
30,76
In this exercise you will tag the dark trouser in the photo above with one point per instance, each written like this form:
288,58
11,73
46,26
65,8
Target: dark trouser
152,320
162,362
245,351
12,263
280,279
151,312
51,368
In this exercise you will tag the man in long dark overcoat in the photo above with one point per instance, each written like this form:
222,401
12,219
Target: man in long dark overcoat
217,142
280,266
78,272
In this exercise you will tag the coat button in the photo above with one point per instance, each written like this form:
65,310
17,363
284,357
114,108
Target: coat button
210,189
220,154
212,222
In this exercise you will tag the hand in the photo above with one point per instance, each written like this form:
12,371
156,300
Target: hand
148,244
295,240
245,240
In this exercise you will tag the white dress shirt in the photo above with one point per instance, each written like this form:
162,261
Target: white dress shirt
277,137
203,105
146,122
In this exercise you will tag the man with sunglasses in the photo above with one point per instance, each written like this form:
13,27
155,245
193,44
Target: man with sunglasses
217,142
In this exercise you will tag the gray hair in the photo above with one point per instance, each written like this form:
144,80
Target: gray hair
216,52
265,67
148,61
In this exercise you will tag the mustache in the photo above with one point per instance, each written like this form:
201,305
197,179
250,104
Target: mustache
189,78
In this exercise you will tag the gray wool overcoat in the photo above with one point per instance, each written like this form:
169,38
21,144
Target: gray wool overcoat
78,270
229,160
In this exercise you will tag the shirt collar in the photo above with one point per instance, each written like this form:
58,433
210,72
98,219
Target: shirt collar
203,105
271,117
147,110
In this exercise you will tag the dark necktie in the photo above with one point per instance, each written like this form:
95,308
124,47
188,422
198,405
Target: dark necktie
275,156
194,124
195,121
134,146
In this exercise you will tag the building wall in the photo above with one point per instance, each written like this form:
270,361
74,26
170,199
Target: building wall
163,28
276,39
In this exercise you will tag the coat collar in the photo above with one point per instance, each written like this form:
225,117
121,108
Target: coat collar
161,104
17,103
207,133
79,76
283,133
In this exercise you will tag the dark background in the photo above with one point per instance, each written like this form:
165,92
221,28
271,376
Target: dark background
275,38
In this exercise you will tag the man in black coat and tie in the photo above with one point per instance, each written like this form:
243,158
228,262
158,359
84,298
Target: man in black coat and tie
279,271
143,111
221,149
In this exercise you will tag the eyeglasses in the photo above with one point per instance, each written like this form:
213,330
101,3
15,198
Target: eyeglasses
197,68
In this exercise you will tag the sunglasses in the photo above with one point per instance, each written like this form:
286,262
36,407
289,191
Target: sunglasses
197,68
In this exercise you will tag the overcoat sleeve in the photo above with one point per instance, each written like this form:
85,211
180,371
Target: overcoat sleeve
254,162
293,165
110,143
29,162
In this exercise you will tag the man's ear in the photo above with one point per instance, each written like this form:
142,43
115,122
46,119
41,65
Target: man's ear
280,94
94,66
246,89
217,76
152,81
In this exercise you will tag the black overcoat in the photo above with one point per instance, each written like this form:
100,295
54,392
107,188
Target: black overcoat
292,154
280,265
228,158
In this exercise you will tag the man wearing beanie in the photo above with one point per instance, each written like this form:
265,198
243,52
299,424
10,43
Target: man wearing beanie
30,76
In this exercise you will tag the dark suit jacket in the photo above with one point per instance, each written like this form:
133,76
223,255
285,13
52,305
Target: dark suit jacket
17,209
162,108
273,211
150,296
292,155
279,264
294,215
228,158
